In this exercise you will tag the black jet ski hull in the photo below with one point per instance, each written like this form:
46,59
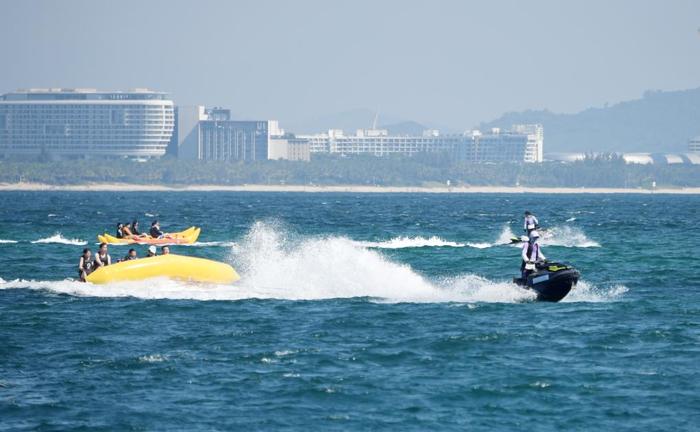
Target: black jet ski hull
550,286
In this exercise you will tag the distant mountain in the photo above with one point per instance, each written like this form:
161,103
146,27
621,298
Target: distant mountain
661,121
404,128
361,118
349,121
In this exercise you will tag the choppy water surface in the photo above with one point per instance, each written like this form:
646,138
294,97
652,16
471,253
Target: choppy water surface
354,312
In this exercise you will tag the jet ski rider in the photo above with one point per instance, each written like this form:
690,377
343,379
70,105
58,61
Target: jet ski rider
530,223
531,253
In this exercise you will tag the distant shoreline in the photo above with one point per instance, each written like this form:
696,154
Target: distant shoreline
127,187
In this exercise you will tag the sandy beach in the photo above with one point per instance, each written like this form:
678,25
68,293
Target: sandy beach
127,187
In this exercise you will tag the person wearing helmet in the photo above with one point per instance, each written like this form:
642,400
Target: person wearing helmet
530,223
531,253
151,251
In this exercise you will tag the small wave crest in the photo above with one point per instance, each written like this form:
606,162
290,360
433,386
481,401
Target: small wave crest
7,241
58,238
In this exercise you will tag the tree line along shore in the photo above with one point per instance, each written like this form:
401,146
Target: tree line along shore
431,170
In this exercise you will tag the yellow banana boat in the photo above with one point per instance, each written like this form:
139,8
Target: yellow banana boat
171,266
188,236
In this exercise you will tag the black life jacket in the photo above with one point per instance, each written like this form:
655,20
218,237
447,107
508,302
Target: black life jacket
87,265
103,258
155,232
120,234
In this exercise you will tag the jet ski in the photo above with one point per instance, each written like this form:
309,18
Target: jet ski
551,281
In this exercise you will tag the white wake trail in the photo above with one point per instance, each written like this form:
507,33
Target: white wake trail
59,239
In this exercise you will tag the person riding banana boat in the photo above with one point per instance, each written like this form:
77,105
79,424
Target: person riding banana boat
156,232
131,231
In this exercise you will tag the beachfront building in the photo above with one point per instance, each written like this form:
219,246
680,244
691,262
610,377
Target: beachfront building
377,142
472,146
496,146
534,151
289,147
211,135
85,123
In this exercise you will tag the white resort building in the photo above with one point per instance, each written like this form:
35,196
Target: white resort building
85,123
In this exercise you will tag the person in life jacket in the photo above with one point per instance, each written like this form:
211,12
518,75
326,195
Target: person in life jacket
135,228
131,255
155,230
85,266
120,230
531,254
126,231
530,223
102,258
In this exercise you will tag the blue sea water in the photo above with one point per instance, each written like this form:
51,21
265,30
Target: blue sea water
354,312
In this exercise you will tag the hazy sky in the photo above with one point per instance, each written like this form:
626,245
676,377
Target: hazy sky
444,62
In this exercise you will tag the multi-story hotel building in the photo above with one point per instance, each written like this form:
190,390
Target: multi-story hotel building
535,141
211,135
85,123
473,146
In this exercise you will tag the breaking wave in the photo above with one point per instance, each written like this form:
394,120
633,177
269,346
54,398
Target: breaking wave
7,241
58,238
274,266
567,236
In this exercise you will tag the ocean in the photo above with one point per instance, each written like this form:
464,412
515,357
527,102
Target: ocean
354,312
